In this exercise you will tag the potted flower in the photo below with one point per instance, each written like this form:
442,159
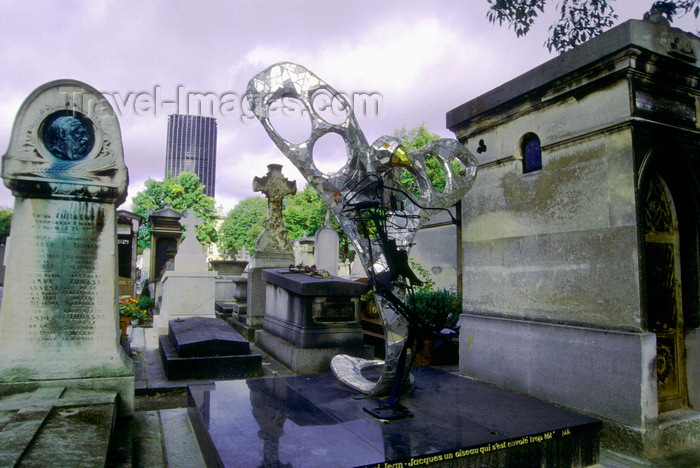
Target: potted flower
145,304
438,311
369,306
127,306
138,316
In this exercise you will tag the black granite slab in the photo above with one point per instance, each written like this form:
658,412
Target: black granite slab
206,336
207,367
307,285
314,421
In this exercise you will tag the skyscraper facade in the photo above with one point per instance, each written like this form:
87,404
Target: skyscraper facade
191,147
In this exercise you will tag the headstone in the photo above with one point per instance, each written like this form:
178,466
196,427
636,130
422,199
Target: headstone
275,187
326,248
243,255
189,290
273,248
357,270
145,258
58,322
303,251
190,255
206,348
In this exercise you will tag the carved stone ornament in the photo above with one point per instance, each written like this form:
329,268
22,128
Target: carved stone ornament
379,215
275,187
66,143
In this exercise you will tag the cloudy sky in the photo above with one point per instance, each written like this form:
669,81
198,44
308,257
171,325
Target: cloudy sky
419,58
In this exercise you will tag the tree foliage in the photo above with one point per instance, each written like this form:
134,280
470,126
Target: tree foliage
579,20
5,223
242,226
414,139
305,213
183,193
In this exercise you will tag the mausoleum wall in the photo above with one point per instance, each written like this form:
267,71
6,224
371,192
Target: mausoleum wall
557,244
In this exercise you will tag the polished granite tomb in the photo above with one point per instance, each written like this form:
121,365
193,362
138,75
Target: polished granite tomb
206,348
316,421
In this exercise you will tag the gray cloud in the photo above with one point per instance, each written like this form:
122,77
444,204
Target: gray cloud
423,58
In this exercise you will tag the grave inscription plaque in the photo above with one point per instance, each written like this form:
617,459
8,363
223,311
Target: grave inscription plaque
58,322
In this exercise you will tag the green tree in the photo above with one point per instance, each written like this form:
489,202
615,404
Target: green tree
183,193
579,20
242,226
414,139
305,213
5,223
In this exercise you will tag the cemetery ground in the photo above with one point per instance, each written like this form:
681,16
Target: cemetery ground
160,433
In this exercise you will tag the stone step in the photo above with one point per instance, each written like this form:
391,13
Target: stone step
180,440
35,425
148,448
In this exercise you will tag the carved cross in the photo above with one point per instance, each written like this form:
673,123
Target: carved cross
191,221
275,187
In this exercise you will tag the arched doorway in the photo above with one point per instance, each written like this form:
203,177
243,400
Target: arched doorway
664,308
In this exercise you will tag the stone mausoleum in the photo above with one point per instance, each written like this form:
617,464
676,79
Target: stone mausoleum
581,235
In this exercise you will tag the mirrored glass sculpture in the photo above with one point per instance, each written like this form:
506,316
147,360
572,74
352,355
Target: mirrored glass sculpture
378,213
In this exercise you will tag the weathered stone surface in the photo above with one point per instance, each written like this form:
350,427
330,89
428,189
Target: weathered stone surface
189,290
560,282
228,267
313,312
56,427
326,248
202,336
256,285
275,187
307,285
58,324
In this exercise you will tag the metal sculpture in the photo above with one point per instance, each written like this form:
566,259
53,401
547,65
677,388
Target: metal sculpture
378,213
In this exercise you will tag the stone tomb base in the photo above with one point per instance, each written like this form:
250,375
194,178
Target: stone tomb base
206,348
314,421
307,360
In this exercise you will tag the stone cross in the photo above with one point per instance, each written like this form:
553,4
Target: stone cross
191,221
190,255
275,187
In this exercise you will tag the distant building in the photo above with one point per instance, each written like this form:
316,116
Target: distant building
191,147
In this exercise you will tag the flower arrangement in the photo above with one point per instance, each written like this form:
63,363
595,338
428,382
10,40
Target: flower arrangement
128,306
311,270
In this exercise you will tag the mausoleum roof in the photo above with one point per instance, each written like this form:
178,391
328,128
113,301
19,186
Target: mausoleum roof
659,39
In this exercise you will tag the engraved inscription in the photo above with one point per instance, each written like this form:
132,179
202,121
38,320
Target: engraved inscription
68,298
336,309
